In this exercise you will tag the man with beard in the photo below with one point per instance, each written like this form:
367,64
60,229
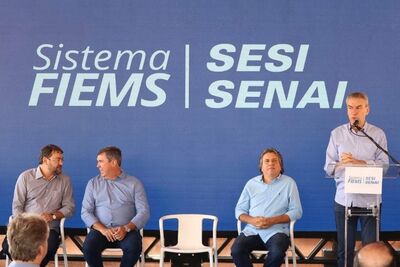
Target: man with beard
46,191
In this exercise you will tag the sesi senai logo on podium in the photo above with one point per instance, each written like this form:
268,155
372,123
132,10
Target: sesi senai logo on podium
87,77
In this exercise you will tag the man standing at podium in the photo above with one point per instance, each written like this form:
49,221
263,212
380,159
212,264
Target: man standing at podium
348,145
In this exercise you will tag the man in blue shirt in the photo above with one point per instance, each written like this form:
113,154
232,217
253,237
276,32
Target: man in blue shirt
115,207
347,145
267,204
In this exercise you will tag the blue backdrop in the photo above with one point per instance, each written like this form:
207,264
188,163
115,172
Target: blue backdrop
192,91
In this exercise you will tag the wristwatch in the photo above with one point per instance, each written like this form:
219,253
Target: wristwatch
54,216
127,229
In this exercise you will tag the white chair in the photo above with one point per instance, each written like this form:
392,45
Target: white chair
140,263
259,253
62,245
190,236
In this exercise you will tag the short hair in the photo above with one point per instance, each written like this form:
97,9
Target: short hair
112,152
25,234
274,151
376,254
48,150
359,95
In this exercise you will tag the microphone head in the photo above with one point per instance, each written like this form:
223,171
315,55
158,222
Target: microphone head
356,122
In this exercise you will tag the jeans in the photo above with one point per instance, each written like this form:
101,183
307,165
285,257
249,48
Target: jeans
368,233
53,242
276,246
95,243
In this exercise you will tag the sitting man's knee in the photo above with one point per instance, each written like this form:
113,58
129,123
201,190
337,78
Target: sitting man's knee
237,249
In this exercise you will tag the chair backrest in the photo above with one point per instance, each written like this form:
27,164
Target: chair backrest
190,229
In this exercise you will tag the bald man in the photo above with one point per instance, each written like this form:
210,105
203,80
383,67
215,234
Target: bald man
376,254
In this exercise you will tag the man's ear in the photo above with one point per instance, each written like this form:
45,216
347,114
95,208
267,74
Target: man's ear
42,250
114,162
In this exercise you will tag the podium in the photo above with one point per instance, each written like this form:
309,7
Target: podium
363,181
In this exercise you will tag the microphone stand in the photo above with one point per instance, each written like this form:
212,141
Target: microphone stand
355,124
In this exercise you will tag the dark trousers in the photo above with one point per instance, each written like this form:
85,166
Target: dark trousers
53,243
368,233
276,246
95,243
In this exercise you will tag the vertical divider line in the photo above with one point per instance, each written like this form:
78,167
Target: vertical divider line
187,72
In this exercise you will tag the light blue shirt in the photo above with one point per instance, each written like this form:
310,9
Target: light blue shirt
115,202
274,199
344,140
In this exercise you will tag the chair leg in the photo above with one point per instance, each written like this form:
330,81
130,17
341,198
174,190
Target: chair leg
161,258
142,259
65,256
7,261
210,253
294,256
216,257
286,260
56,260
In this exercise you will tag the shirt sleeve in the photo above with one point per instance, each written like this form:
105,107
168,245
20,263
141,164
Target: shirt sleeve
380,157
142,206
243,204
295,210
19,198
68,203
88,206
332,156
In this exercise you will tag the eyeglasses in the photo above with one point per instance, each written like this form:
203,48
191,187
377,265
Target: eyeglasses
56,160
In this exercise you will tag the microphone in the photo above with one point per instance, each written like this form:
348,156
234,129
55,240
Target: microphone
356,125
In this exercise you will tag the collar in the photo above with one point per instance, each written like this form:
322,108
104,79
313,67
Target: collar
39,174
273,181
119,177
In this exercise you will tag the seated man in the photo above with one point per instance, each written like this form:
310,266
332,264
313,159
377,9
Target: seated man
27,237
376,254
115,208
267,204
45,190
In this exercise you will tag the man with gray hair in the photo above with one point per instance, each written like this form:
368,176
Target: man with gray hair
27,237
376,254
348,145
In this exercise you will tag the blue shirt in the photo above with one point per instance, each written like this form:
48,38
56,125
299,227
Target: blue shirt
344,140
268,200
115,202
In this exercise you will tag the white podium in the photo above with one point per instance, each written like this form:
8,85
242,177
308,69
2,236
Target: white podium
365,180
